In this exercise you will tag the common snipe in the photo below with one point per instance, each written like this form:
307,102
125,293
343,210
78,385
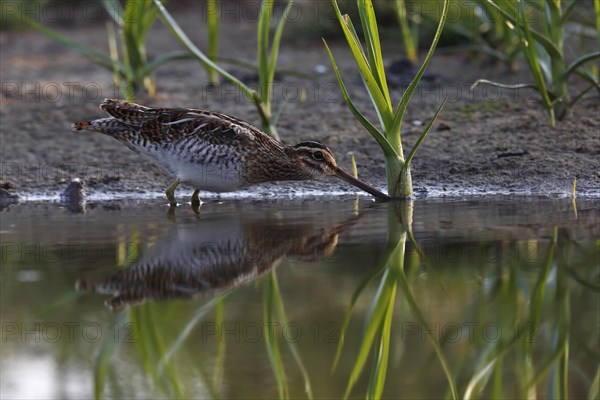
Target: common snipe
213,151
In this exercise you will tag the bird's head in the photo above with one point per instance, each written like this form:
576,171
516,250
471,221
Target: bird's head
317,160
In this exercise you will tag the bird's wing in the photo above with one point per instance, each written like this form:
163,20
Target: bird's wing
158,124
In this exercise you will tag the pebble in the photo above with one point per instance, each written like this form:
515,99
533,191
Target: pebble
321,69
444,126
75,191
74,196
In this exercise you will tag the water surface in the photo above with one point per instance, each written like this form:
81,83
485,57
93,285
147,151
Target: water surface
469,298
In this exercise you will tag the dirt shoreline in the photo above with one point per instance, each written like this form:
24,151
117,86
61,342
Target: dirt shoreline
485,143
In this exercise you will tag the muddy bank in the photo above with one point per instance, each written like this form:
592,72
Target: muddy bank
487,142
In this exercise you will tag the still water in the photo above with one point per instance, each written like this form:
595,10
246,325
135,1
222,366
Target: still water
434,299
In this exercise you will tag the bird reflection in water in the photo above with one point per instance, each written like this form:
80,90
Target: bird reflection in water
218,253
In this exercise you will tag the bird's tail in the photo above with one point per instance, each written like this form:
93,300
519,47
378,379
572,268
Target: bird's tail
123,117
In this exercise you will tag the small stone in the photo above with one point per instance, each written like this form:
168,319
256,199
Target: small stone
444,126
321,69
74,196
74,191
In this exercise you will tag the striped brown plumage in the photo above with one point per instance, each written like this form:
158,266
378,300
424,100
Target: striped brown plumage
213,151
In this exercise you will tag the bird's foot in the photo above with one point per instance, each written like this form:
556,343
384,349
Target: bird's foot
170,192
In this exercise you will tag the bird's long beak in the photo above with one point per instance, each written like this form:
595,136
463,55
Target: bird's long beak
340,173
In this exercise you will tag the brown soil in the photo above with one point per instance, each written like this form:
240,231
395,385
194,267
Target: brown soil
483,143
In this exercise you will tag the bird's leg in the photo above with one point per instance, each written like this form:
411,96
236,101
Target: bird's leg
196,198
171,193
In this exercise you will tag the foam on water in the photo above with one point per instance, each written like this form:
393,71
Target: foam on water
303,192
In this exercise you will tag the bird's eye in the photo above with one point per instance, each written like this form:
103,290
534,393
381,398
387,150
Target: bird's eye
318,155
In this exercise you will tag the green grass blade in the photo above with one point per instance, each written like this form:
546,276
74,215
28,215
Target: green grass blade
277,366
563,323
155,349
563,372
211,394
277,40
399,114
371,34
546,366
569,9
275,116
115,10
478,380
550,47
374,365
263,50
383,120
95,56
102,364
185,40
189,328
280,309
539,292
219,368
424,133
547,65
532,60
597,10
271,342
580,95
354,34
149,14
213,14
504,86
114,52
385,145
579,62
589,76
407,37
252,67
354,167
150,347
436,346
134,33
102,367
377,381
372,326
381,105
355,295
478,48
497,391
594,393
174,55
